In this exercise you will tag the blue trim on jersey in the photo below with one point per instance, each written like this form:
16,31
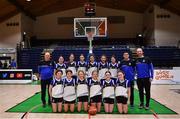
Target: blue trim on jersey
94,64
80,64
71,64
113,66
61,66
55,82
78,81
71,82
105,83
91,82
125,83
103,65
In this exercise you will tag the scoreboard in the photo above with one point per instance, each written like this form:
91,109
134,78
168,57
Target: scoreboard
90,9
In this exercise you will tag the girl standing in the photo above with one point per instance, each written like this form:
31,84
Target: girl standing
72,64
113,66
61,66
103,66
82,65
92,65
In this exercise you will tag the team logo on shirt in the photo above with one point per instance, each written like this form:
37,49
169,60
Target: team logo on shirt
138,62
129,63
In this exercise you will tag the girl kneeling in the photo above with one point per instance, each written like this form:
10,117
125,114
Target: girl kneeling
108,85
122,92
56,91
69,95
82,91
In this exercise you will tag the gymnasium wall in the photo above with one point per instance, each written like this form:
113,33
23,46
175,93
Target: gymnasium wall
167,29
159,30
10,32
46,26
27,25
12,29
148,25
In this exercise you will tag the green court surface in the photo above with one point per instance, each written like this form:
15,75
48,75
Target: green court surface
34,104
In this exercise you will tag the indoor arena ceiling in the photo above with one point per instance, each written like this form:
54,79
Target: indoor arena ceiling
35,8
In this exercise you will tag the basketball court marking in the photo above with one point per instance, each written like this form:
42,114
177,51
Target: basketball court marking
29,90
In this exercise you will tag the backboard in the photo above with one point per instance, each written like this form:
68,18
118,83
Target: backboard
97,26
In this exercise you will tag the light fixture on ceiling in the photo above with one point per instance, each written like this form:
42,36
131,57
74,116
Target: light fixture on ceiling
28,0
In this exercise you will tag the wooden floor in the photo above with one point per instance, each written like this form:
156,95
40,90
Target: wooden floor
10,95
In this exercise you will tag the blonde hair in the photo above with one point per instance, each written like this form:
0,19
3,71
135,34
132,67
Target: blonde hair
82,72
94,71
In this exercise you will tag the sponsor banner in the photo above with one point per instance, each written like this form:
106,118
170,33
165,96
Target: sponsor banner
176,73
16,74
166,76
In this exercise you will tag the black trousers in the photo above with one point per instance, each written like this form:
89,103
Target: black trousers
144,83
132,92
45,84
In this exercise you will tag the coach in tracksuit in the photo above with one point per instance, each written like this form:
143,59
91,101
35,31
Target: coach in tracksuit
46,70
144,70
127,65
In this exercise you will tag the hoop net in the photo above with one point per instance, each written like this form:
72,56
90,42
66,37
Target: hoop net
90,36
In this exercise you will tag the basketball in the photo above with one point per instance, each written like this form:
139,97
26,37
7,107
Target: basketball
92,110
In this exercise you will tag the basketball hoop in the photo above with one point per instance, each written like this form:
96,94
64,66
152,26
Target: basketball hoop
98,27
90,36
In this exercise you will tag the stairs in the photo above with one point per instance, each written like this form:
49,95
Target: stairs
133,53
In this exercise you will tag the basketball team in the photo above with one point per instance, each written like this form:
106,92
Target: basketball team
80,84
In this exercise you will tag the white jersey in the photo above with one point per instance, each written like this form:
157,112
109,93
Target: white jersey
103,67
122,88
108,88
69,89
95,87
57,88
82,69
72,66
61,67
91,67
81,66
82,88
113,68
